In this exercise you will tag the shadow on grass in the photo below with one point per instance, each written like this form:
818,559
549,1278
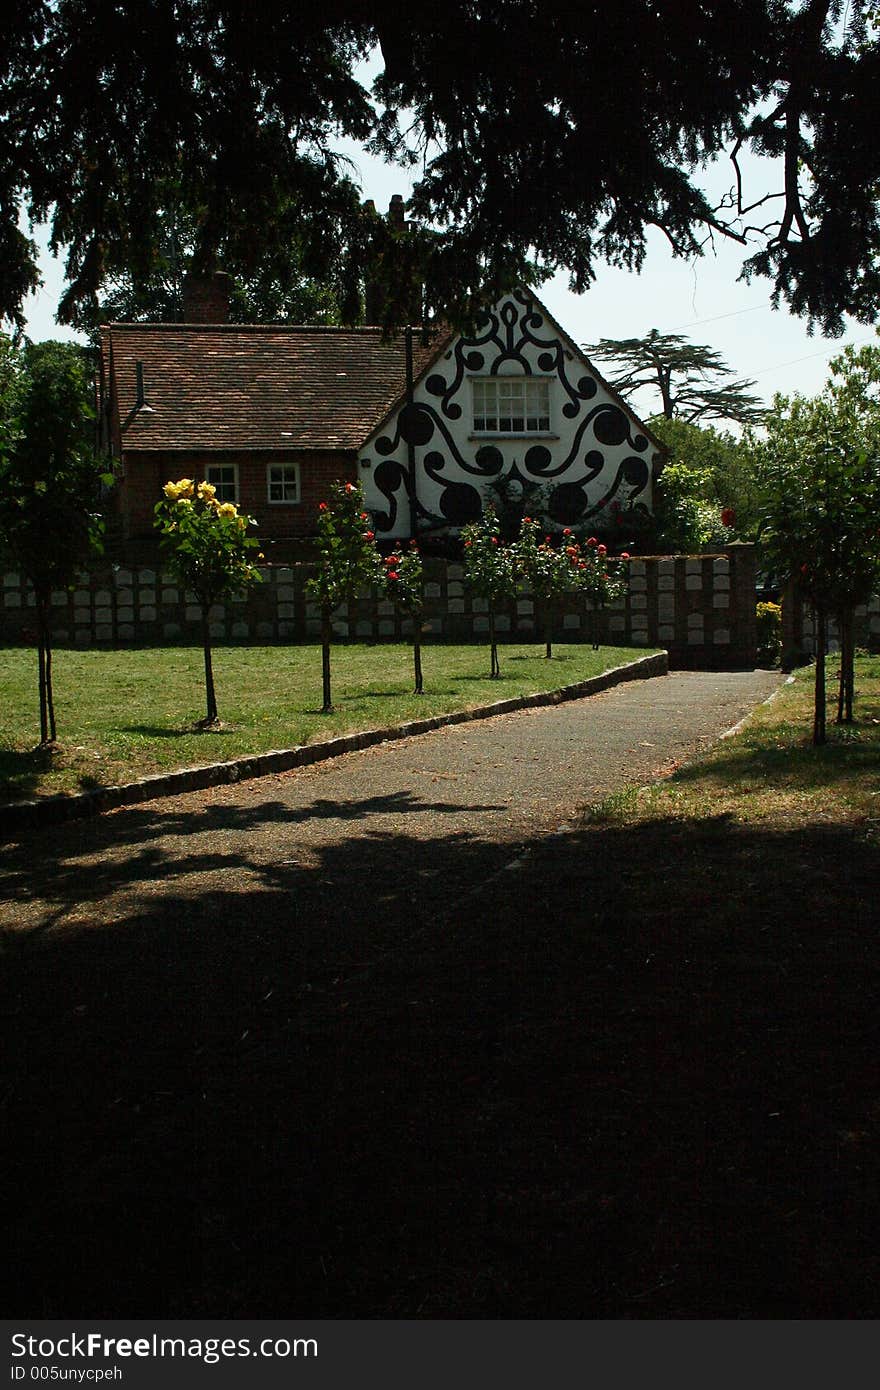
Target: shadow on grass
21,770
163,731
386,1081
793,762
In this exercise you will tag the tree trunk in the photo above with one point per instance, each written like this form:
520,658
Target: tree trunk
595,627
548,629
210,695
417,654
44,662
326,637
846,621
41,664
494,668
819,693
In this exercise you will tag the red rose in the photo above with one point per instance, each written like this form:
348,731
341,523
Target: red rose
392,574
603,549
592,541
369,535
322,506
567,531
728,517
349,487
624,554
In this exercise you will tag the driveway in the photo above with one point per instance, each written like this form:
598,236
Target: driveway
424,819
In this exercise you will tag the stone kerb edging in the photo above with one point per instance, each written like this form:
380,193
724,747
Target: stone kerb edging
52,810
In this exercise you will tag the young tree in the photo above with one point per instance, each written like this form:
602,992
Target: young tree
691,379
546,571
490,573
404,586
820,478
349,563
50,480
523,168
204,543
600,578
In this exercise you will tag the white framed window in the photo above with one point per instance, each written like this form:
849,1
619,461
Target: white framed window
282,482
224,477
511,404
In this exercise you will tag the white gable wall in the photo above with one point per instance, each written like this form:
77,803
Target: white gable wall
585,464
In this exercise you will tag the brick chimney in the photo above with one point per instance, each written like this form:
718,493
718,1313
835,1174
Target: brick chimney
206,297
373,299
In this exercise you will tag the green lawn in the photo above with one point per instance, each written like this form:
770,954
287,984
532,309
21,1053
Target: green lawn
125,714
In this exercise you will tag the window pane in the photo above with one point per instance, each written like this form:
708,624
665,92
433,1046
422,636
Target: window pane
511,405
222,476
283,482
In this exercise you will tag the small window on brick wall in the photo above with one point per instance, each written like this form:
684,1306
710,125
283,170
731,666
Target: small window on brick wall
282,480
224,477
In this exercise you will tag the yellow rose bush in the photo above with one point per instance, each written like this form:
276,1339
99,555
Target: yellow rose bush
205,544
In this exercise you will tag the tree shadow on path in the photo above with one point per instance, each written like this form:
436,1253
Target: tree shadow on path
401,1083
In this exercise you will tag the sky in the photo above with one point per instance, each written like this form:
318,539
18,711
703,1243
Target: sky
703,300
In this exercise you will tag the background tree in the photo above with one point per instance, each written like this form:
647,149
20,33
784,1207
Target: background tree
405,587
690,379
104,105
348,564
204,542
707,493
490,573
50,480
820,478
291,282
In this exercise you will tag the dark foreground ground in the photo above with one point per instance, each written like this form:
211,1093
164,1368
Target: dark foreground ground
338,1097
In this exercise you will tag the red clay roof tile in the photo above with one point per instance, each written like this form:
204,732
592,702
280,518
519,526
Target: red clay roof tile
239,386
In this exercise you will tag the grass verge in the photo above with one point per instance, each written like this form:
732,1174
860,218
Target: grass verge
126,714
770,775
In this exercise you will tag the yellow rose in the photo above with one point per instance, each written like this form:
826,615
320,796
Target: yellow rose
207,491
226,509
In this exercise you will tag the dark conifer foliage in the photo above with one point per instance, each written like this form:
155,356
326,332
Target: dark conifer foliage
543,136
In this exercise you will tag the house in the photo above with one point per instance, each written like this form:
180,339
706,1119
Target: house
431,424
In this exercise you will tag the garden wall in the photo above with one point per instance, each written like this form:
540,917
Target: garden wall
700,608
799,629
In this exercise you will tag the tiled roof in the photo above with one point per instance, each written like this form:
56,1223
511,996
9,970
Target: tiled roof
238,386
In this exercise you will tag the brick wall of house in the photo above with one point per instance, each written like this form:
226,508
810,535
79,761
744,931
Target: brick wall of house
145,475
700,608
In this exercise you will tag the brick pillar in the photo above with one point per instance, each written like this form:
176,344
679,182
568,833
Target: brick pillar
743,574
792,628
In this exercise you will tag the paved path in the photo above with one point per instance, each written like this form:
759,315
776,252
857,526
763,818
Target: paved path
417,823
